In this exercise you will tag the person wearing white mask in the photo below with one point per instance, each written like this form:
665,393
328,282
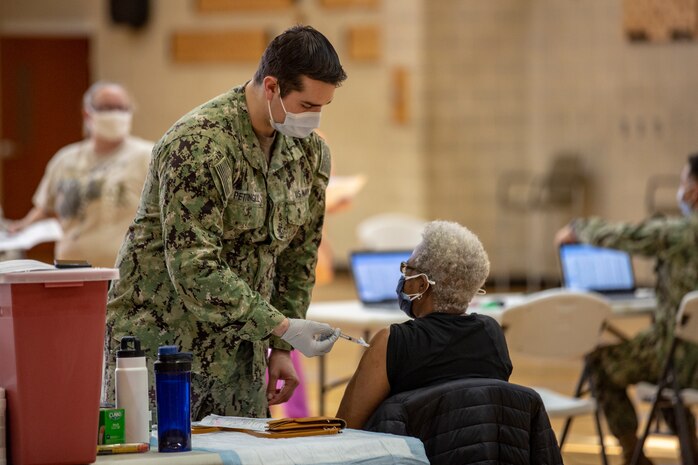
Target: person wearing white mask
220,259
673,244
93,186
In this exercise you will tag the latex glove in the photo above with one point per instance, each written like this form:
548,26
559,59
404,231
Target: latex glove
310,337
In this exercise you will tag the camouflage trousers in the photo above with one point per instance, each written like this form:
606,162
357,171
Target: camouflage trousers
642,358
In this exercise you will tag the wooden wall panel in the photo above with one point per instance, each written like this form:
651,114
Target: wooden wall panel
217,6
363,43
237,46
349,3
400,95
660,20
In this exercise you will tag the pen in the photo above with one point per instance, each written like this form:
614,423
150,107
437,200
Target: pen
105,449
359,341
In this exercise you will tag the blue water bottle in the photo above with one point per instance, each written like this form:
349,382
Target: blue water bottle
172,393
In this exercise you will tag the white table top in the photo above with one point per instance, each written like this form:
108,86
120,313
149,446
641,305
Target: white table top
354,313
155,458
233,448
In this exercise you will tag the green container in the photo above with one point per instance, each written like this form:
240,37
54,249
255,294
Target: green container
111,426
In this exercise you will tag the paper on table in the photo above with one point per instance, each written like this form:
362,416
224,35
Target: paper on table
281,428
19,266
42,231
342,188
254,424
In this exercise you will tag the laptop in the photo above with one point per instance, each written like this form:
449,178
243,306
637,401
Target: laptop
376,274
598,269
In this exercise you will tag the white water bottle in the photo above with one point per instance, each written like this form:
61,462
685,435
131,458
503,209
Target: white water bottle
132,389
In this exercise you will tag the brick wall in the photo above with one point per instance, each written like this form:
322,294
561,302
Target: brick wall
518,82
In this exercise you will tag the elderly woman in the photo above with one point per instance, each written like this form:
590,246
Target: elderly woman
442,343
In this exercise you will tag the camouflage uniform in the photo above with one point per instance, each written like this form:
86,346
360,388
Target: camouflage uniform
673,242
222,248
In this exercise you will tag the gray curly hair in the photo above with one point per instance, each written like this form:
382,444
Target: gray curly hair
89,95
453,257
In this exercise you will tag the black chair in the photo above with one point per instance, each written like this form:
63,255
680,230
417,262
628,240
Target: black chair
668,389
472,420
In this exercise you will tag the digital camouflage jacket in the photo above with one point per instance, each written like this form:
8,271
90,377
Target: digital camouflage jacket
223,247
672,242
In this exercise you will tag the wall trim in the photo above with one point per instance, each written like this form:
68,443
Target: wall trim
38,28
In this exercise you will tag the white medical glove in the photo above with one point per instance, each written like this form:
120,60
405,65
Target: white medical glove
310,337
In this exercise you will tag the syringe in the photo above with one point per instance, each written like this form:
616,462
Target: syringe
359,341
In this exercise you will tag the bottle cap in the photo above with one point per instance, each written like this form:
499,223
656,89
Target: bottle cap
134,351
170,359
167,350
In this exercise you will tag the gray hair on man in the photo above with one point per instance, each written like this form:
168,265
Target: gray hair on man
453,257
88,96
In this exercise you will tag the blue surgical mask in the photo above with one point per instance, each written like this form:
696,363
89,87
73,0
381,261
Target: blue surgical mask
405,300
685,207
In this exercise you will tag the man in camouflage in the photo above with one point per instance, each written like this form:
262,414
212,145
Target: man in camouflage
673,242
220,258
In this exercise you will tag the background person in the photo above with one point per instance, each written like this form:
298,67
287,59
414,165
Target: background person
220,259
93,186
442,343
673,243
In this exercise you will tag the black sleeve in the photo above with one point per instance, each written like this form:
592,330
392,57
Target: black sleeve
494,331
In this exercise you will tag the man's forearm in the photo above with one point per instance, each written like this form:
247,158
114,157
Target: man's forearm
34,215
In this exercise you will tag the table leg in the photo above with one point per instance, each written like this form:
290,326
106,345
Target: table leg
321,383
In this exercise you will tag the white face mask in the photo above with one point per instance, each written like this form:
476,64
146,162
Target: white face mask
295,124
111,125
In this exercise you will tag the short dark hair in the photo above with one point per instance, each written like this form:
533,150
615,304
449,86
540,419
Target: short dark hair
693,163
300,51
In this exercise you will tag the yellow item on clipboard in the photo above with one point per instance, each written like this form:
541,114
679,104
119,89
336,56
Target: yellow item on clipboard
285,428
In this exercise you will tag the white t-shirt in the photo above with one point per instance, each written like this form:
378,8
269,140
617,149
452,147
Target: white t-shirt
95,197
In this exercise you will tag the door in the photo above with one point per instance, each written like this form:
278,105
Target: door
42,80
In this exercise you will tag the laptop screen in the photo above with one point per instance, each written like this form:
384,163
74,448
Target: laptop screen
376,274
591,268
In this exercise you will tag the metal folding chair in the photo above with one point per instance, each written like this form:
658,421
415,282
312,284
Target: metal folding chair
560,324
668,389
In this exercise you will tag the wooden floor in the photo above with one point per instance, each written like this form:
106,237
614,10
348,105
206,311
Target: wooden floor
581,447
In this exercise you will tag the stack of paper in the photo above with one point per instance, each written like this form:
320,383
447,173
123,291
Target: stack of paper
265,427
41,231
19,266
343,189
